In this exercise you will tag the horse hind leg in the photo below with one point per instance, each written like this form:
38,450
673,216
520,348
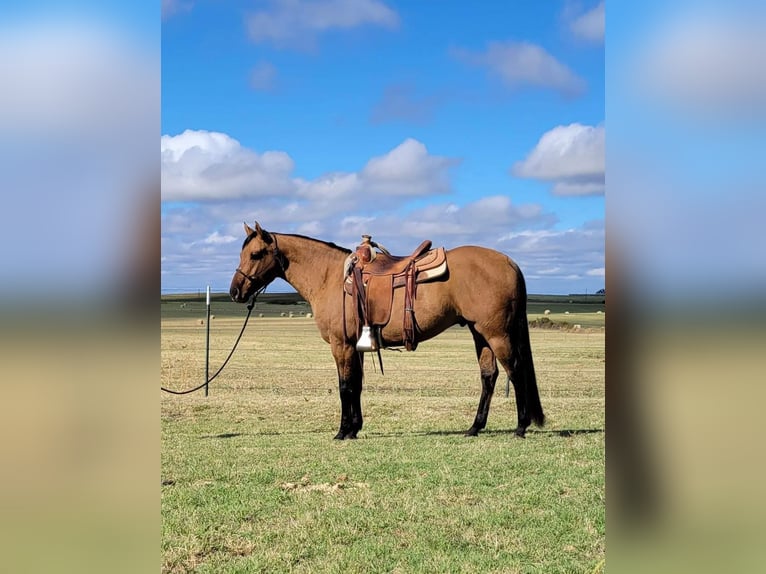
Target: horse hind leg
489,372
517,362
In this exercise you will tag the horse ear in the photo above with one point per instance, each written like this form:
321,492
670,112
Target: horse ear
249,230
265,235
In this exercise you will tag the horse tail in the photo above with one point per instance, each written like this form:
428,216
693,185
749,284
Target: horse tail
522,356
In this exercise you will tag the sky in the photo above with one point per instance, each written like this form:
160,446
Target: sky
463,123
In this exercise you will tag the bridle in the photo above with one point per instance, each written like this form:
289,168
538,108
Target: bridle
280,258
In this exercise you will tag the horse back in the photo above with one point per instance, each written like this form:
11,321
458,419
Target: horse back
484,282
481,285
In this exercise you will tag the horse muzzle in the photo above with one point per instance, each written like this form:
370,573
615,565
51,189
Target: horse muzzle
237,290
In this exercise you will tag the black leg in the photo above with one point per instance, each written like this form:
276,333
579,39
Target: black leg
349,365
517,374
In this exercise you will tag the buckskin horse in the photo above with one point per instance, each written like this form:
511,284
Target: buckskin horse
482,288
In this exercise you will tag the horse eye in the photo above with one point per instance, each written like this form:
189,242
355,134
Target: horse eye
255,255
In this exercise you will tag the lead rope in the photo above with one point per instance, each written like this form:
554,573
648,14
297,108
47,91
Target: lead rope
250,307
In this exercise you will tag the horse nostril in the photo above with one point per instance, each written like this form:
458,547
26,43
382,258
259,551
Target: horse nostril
234,293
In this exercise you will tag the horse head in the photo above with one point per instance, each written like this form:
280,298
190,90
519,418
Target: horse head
260,262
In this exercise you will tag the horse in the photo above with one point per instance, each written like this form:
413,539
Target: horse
483,289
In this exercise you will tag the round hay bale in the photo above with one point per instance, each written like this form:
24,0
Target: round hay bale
566,312
291,315
212,316
309,315
260,314
283,314
599,312
577,327
547,312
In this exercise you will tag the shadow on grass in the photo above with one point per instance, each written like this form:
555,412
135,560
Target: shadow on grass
561,432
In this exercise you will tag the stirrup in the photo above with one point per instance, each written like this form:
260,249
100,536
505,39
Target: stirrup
366,341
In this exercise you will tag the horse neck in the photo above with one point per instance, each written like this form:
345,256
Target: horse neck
312,264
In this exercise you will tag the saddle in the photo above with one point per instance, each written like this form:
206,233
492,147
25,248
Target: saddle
372,274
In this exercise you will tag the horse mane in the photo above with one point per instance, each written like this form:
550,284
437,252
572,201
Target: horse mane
327,243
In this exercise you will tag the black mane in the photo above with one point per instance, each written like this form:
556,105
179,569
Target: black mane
327,243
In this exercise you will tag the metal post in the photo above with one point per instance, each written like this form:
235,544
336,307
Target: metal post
207,342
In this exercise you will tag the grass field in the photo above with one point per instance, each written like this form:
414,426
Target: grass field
253,482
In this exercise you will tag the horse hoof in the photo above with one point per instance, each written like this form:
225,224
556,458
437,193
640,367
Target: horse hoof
520,432
340,436
472,432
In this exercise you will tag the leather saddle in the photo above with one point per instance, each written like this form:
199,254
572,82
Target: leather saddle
372,275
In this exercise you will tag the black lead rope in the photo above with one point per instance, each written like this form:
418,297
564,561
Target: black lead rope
250,307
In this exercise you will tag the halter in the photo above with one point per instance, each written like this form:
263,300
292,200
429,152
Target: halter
277,255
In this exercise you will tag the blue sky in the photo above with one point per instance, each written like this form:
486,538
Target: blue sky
462,123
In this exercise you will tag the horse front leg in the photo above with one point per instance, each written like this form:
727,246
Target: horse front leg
349,363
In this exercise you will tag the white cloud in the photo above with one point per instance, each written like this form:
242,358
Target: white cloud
707,63
589,25
482,221
296,23
569,259
216,238
330,187
566,255
408,170
573,157
212,166
202,166
521,64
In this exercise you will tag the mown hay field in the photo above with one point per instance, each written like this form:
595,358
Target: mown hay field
253,482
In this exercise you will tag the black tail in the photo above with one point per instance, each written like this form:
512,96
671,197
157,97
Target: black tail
522,350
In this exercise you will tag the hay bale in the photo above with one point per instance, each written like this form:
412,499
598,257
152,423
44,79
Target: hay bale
566,312
547,312
309,315
577,327
291,315
212,316
599,312
260,314
283,314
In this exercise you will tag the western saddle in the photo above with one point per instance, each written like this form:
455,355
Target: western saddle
372,274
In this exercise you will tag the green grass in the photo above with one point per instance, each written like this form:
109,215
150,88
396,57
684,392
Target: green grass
253,482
